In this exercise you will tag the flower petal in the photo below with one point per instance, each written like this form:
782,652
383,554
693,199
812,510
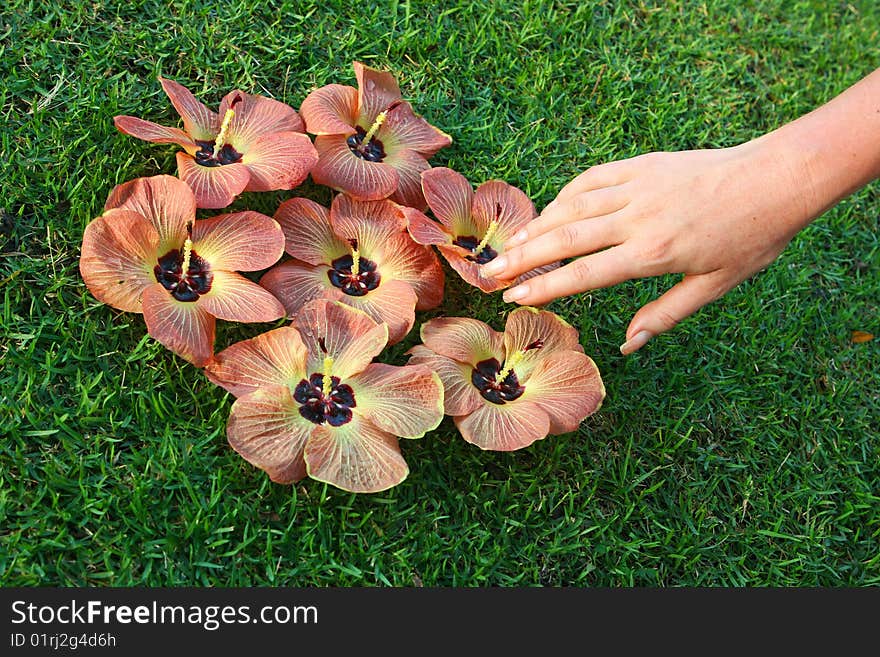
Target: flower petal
266,429
240,241
342,170
256,116
450,197
405,260
308,235
504,428
280,160
469,270
425,230
567,385
330,110
166,201
213,187
348,335
409,166
393,302
236,299
376,91
371,223
294,283
357,457
119,251
198,121
405,401
463,339
149,131
460,397
516,210
529,326
404,129
183,327
276,357
537,271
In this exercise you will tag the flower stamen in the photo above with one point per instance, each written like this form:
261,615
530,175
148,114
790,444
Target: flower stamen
490,233
509,364
327,381
224,128
355,257
187,250
380,119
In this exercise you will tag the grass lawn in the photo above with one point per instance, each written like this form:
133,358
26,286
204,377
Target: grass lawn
741,449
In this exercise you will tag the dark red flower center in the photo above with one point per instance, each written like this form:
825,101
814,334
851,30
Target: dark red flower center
372,151
225,155
484,377
315,406
355,285
471,243
187,286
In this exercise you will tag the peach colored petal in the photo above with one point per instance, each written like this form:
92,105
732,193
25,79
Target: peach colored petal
537,271
213,187
149,131
280,160
404,401
404,129
393,302
198,121
119,251
410,166
167,202
357,457
308,235
469,270
425,230
403,259
330,110
530,326
516,210
463,339
460,397
256,116
504,428
567,385
376,91
240,241
371,223
266,429
183,327
348,335
236,299
294,283
343,171
276,357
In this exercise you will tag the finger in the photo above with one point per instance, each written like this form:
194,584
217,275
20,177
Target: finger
596,177
680,301
602,269
590,204
569,240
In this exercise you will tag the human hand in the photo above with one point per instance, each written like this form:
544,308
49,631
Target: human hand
716,216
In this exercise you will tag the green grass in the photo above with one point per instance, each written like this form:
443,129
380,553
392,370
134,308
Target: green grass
743,448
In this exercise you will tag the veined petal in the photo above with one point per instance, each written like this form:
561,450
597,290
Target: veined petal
342,170
183,327
393,302
469,270
567,385
537,271
357,457
308,235
450,197
371,223
404,129
119,251
516,210
425,230
149,131
280,160
504,428
294,283
404,401
409,165
256,116
236,299
460,397
415,264
240,241
213,187
167,202
277,357
330,110
527,326
463,339
198,121
266,429
376,91
349,336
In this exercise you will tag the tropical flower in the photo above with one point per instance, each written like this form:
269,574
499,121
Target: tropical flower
359,253
371,145
473,227
311,402
257,146
147,254
507,390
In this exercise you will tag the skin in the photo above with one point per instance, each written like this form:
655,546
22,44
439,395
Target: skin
717,216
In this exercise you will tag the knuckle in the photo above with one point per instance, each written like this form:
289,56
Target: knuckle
656,254
666,319
581,269
568,237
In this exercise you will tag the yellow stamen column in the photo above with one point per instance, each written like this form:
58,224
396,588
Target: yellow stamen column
327,381
493,226
380,119
187,255
509,364
220,142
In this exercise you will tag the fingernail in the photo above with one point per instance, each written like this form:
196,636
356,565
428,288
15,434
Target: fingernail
520,237
495,266
515,293
637,341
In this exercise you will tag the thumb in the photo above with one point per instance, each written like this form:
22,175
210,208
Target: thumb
679,302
